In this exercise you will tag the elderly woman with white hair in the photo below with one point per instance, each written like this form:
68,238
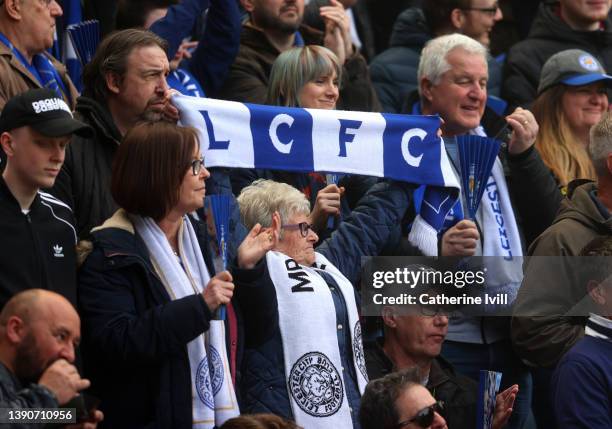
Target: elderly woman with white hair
303,354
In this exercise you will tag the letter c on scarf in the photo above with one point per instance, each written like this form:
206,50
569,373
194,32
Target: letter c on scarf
413,161
277,122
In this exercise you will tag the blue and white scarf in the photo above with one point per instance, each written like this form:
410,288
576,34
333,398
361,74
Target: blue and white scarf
42,69
214,399
400,147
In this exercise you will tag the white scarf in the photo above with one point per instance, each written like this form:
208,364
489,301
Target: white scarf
214,399
313,365
500,237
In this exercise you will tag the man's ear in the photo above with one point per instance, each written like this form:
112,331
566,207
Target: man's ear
457,18
388,316
248,5
113,82
15,329
595,291
6,142
13,8
426,86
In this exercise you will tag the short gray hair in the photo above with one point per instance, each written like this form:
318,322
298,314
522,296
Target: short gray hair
600,145
296,67
433,63
262,198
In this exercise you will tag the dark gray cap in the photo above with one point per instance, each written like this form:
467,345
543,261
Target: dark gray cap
572,67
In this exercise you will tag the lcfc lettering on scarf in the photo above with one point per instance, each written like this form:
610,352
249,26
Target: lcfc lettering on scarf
400,147
493,196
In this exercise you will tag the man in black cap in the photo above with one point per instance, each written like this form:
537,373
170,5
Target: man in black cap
38,236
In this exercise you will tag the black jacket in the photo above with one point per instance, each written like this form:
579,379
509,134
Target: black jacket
549,35
39,248
247,81
394,71
458,392
134,336
84,181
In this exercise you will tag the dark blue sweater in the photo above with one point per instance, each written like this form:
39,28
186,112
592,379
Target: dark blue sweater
582,386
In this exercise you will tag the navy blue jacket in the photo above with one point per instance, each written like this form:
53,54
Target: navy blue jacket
134,336
581,386
365,232
218,45
394,71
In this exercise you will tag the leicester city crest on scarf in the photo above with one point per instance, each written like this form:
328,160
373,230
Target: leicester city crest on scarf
316,385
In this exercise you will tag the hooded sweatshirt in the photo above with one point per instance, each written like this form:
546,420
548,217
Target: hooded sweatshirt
543,328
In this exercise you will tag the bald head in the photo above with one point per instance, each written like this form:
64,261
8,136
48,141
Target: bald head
33,304
37,327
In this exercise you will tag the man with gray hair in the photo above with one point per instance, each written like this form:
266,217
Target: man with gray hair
27,28
453,77
546,296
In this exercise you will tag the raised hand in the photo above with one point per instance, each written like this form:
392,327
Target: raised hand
184,51
524,130
336,14
504,402
327,204
255,246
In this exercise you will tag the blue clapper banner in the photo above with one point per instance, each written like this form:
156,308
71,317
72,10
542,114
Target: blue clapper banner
400,147
62,48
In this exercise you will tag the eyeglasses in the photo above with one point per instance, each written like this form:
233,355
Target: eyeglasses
304,227
196,166
425,417
432,310
491,11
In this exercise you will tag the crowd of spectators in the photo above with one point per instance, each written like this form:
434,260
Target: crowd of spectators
106,235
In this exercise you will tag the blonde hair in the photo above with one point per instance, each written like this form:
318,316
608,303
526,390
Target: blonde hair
557,145
262,198
296,67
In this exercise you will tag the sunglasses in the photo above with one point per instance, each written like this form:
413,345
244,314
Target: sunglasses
304,228
425,417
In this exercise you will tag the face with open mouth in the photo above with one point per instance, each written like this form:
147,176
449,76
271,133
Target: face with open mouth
461,93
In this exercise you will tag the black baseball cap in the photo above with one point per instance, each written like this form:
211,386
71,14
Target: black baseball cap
45,112
572,67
